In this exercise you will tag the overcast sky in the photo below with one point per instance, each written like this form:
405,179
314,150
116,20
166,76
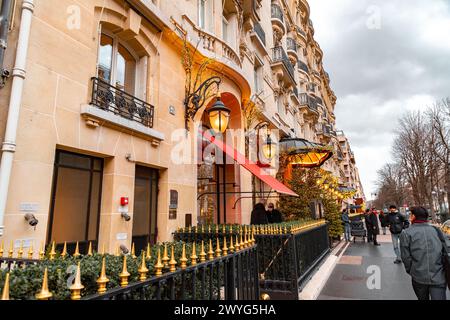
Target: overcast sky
384,57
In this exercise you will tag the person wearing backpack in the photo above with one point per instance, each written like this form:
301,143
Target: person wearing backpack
424,253
397,223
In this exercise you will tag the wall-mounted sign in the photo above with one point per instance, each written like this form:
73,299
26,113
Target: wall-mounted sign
29,206
121,236
173,205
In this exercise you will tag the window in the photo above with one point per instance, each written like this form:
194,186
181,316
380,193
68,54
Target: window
225,30
205,15
76,195
117,65
258,76
201,13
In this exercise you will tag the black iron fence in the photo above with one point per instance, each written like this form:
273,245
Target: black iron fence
229,277
112,99
303,66
12,263
291,45
260,33
309,101
277,13
279,55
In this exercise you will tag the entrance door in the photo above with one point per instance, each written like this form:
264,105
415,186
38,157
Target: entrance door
145,207
75,207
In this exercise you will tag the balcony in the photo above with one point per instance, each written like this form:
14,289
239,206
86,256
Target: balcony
300,31
278,19
259,32
325,132
311,105
292,49
303,67
281,62
116,108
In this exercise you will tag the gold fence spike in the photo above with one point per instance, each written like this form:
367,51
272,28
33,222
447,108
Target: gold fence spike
158,266
133,252
209,228
241,242
238,247
11,250
149,252
193,255
77,251
217,228
143,270
41,251
124,274
211,251
218,251
5,292
183,259
223,229
53,251
231,245
1,248
20,252
202,252
30,252
172,262
102,280
118,251
103,250
245,240
75,289
225,248
90,249
44,294
64,251
165,258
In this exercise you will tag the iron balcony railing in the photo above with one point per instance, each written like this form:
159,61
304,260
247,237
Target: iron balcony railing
291,45
277,13
303,66
319,100
309,101
112,99
279,55
295,92
326,129
260,33
300,30
231,277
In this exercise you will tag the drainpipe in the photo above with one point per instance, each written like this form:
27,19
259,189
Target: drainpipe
18,78
4,25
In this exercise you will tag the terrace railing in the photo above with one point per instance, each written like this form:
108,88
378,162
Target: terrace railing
260,33
279,55
276,11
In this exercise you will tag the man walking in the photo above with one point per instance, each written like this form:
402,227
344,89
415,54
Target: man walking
369,227
382,218
422,254
347,227
397,223
274,215
374,224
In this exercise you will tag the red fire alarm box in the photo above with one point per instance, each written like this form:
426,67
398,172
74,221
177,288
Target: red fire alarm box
124,201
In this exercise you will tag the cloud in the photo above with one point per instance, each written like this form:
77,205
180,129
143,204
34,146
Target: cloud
384,58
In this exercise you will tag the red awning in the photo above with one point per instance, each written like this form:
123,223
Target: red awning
250,166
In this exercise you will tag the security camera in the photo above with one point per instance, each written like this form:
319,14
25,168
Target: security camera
126,216
32,221
124,249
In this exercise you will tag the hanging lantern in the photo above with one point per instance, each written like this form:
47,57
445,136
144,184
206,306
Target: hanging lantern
268,148
219,116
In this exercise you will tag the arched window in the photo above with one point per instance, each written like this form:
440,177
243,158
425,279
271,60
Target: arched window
117,64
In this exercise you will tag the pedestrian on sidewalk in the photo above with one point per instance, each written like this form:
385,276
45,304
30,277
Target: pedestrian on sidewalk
259,215
382,218
374,224
273,215
422,254
368,222
397,223
347,227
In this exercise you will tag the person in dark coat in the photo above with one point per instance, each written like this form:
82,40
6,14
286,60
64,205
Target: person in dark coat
375,227
259,215
368,223
273,215
382,219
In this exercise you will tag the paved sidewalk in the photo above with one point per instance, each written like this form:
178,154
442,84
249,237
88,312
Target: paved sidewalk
349,278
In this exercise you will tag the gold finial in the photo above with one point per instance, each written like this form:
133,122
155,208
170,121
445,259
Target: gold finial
90,249
143,268
172,262
102,280
202,252
225,248
41,251
5,292
133,252
44,294
124,274
265,296
209,228
64,252
1,248
118,251
193,255
211,251
103,250
149,252
75,289
241,242
246,239
20,252
218,251
237,244
53,251
183,259
165,258
231,245
217,228
158,266
11,250
223,229
30,252
77,251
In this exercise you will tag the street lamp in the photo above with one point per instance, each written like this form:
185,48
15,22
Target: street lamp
268,147
219,115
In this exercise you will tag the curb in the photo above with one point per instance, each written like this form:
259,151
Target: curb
315,285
